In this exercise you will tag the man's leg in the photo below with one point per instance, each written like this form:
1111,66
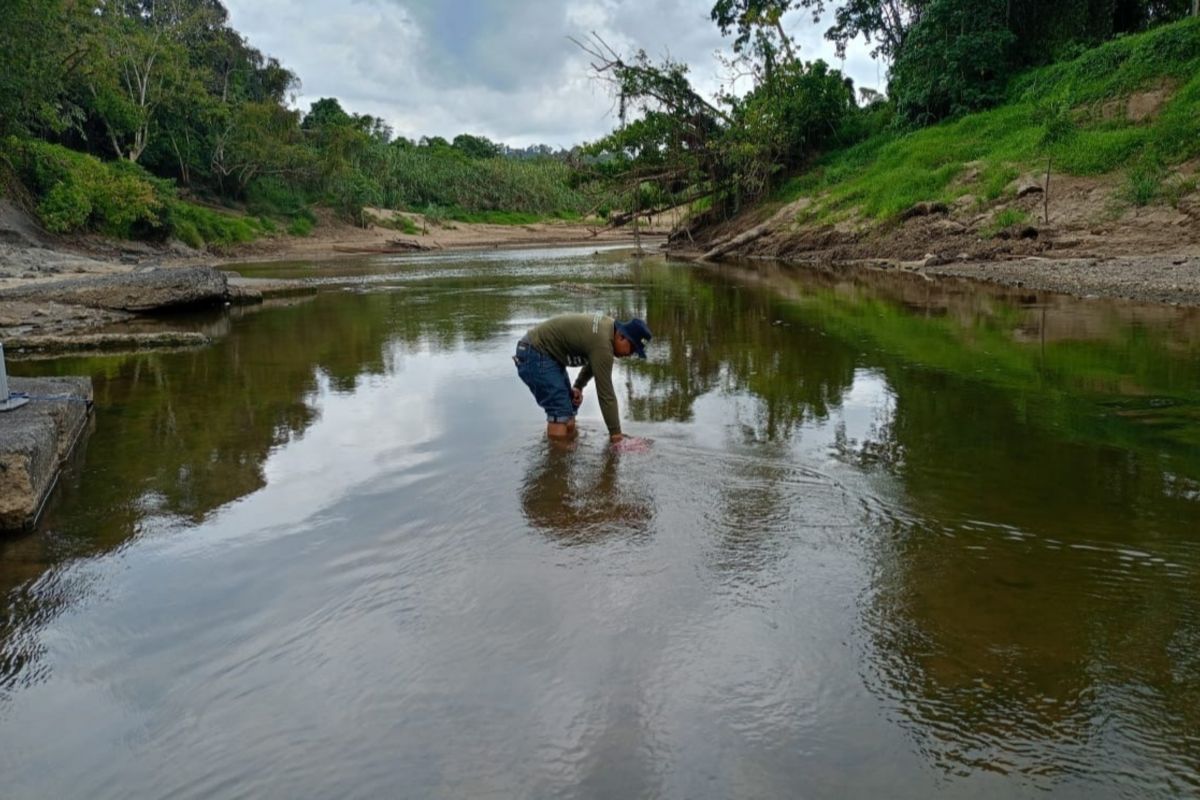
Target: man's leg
548,381
561,430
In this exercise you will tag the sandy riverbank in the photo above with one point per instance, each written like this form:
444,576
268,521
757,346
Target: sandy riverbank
28,254
333,238
29,257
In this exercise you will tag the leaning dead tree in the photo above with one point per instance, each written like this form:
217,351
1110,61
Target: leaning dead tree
669,154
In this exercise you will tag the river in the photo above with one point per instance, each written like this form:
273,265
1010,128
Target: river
891,538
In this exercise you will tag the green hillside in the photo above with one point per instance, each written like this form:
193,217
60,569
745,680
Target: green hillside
1131,106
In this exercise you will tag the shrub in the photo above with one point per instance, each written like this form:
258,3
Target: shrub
190,221
417,178
187,233
1144,183
78,192
65,208
272,197
301,226
1005,220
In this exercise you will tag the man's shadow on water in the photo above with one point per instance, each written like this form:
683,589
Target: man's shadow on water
578,495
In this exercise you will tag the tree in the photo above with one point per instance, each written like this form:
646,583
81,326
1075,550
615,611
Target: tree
956,59
674,145
759,26
475,146
139,59
259,140
325,113
193,126
797,113
39,51
953,56
885,23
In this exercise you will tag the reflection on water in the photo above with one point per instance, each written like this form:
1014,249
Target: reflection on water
1008,652
893,538
576,494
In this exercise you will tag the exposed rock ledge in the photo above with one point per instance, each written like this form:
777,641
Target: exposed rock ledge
143,291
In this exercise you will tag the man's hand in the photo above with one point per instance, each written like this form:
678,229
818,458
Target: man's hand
622,443
576,396
615,437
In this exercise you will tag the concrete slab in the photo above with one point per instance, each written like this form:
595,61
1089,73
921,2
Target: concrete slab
35,441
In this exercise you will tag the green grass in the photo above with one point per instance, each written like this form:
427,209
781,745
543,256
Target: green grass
397,222
1173,191
1144,184
1005,220
198,226
300,226
508,217
1052,113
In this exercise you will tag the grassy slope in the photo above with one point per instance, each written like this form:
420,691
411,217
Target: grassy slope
1057,112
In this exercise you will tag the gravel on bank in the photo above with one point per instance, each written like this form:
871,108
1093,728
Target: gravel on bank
1173,279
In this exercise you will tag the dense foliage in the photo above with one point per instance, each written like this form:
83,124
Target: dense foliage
165,98
948,58
114,111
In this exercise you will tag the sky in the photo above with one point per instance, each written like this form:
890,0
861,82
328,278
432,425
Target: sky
504,69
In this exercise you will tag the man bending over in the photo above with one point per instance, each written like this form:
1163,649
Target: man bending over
591,341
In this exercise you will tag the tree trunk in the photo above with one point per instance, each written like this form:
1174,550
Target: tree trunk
720,249
787,43
637,207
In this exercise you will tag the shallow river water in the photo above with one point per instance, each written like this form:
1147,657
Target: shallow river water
891,539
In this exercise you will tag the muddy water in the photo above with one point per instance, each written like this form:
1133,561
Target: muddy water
891,539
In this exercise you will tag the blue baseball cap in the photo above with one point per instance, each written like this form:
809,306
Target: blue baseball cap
636,331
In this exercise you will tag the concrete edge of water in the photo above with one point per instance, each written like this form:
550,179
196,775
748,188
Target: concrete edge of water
36,440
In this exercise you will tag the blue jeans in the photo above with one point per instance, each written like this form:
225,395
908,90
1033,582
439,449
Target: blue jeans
548,381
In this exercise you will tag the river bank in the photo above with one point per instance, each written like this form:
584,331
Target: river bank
1169,278
32,260
1078,238
1147,262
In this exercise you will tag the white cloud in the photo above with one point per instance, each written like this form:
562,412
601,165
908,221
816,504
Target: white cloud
504,69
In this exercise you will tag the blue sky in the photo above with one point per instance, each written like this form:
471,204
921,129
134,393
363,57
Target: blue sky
502,69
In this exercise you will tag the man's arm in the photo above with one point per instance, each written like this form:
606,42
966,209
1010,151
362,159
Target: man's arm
601,363
585,375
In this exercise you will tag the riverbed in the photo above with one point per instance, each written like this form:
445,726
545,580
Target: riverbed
890,538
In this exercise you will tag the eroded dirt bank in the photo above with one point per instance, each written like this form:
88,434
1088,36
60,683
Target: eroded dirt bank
1077,239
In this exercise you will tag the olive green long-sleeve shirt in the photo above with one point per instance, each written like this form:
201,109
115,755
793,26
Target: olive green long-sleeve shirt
583,340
